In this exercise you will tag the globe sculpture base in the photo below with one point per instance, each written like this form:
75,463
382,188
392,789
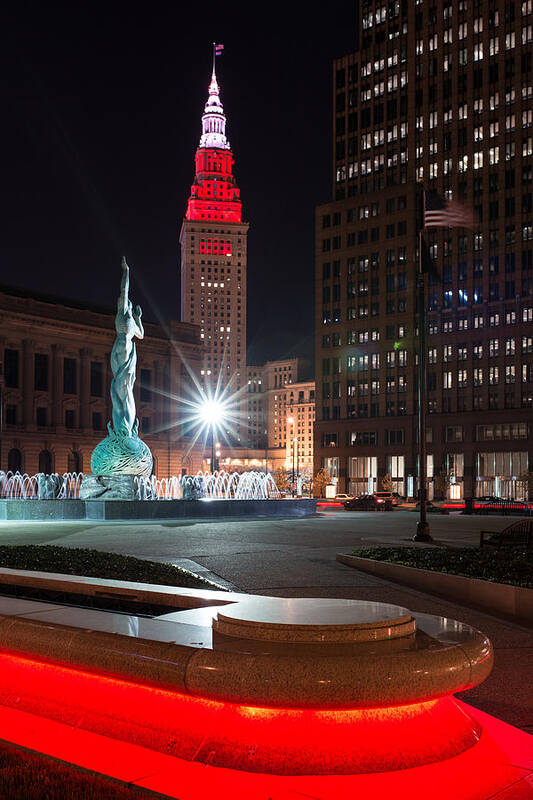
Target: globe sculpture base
121,455
114,487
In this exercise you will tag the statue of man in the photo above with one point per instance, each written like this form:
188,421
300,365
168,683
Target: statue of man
122,452
128,325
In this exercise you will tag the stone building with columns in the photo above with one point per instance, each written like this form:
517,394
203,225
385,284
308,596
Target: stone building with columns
56,378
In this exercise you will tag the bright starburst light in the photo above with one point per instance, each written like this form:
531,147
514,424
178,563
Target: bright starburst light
206,412
210,412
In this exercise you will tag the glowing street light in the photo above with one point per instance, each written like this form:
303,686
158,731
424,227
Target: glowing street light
213,410
212,413
290,420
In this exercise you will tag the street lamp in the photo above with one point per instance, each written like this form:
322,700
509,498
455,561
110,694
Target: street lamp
211,412
295,458
290,420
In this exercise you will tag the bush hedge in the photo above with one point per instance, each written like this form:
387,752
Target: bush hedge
26,775
97,564
512,565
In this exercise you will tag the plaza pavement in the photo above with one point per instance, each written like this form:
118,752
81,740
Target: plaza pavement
296,557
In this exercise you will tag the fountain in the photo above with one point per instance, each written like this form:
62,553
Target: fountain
55,496
121,484
217,486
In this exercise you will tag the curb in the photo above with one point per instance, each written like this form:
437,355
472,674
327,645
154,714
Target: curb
512,602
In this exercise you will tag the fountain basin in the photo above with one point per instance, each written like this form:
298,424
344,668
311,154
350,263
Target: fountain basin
152,510
177,684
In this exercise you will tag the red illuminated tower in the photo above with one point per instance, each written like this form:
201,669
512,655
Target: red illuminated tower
213,253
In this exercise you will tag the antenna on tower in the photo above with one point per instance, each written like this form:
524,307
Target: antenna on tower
217,51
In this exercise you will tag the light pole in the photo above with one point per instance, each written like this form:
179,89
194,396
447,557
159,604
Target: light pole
211,412
422,529
290,420
297,455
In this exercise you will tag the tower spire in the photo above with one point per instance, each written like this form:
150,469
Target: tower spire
213,75
213,118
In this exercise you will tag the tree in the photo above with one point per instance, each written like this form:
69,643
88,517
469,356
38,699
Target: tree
282,479
306,480
320,481
441,483
527,481
386,483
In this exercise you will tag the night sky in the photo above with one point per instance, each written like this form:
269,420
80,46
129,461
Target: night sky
100,122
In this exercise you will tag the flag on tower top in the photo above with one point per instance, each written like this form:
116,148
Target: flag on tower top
442,213
218,49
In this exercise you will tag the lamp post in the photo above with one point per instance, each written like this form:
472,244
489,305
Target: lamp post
422,529
211,412
297,455
290,420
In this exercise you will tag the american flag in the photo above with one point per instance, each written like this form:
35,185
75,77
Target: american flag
442,213
218,49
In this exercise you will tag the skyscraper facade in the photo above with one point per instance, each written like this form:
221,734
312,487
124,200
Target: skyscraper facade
213,243
439,92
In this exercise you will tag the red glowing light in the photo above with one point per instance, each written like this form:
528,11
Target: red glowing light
216,247
214,194
502,758
503,506
285,741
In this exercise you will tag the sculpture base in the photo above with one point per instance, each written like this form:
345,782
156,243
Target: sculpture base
49,486
115,487
121,455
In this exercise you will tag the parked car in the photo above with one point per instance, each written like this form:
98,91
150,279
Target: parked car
343,496
369,502
388,497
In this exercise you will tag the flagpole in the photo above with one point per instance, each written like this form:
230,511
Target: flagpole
422,529
214,54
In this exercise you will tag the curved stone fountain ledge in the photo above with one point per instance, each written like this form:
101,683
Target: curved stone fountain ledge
335,682
277,652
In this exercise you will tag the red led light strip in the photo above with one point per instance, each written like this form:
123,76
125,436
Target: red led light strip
503,756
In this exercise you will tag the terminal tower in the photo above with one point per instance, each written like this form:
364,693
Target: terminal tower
213,241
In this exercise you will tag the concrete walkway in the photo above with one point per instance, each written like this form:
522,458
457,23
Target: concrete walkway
297,558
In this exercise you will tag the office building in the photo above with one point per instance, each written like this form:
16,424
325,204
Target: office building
439,92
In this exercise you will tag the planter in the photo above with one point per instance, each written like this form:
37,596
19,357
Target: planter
512,602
